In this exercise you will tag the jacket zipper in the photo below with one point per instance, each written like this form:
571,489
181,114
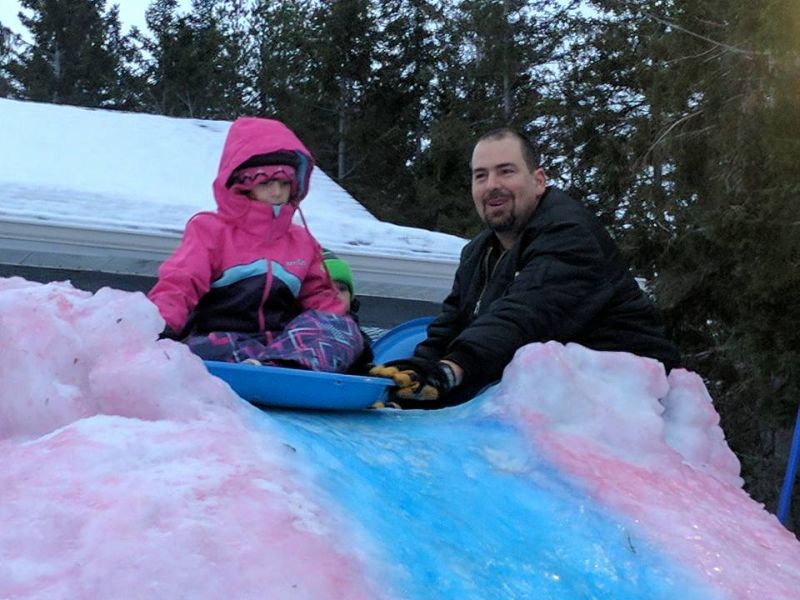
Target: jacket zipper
262,325
488,276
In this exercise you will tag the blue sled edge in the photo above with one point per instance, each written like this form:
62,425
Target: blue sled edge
282,387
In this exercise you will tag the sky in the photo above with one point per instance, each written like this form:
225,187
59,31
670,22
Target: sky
130,472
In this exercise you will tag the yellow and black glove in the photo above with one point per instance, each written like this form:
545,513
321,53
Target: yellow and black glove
417,378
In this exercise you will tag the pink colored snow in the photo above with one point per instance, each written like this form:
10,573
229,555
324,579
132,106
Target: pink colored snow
662,463
129,472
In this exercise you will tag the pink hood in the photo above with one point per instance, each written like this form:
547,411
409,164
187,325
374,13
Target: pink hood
249,137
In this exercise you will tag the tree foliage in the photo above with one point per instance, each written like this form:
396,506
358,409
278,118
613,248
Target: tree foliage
10,43
71,59
678,114
194,65
730,276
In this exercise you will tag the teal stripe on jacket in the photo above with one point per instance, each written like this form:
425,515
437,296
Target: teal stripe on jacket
259,268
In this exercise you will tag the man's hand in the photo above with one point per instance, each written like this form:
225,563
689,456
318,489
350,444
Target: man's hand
418,378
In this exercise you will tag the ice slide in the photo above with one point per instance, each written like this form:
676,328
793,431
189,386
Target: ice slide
129,471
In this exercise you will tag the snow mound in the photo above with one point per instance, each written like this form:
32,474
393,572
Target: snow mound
649,447
130,472
70,354
621,405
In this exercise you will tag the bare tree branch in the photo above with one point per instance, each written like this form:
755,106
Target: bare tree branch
699,36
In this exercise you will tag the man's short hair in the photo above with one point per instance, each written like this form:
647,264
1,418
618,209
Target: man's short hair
530,153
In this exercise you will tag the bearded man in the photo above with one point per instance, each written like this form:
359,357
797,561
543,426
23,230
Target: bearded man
544,269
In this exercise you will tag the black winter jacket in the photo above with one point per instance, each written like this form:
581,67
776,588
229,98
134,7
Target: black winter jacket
563,280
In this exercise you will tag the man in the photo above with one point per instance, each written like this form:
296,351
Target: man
544,269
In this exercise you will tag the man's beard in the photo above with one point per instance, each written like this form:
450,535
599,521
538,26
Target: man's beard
502,224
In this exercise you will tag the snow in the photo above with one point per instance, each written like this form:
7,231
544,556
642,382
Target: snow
128,471
666,466
117,171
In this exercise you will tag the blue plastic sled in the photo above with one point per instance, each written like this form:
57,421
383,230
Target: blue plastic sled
295,388
400,341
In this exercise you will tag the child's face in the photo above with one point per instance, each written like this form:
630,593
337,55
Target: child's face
344,293
274,191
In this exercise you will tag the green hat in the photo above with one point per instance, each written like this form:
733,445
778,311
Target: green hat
338,270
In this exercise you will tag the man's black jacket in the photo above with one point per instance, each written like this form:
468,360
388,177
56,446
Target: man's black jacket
563,280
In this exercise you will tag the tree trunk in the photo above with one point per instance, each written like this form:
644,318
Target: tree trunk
56,74
507,108
342,130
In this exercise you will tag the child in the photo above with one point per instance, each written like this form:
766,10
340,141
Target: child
342,277
245,283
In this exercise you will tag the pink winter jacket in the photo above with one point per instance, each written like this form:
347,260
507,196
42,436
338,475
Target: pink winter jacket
243,267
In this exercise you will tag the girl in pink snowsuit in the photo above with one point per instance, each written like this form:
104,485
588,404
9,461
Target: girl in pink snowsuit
247,283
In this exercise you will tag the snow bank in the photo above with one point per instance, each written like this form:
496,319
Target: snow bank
621,405
650,447
69,354
129,472
692,428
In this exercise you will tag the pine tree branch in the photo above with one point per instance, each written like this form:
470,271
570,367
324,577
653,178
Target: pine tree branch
699,36
356,164
666,132
703,54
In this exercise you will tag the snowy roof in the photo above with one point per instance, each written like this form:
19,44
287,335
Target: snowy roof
108,190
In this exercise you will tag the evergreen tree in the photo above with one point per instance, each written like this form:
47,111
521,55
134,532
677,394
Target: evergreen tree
344,37
231,17
194,66
494,63
71,59
609,111
129,86
730,277
10,44
674,124
395,115
278,61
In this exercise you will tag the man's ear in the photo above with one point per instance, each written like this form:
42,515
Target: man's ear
540,180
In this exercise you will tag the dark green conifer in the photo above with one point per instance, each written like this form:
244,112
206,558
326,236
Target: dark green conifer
71,59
